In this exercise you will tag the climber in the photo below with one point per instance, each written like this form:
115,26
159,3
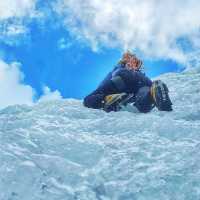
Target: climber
128,84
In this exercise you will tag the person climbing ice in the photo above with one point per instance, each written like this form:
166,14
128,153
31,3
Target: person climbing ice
127,84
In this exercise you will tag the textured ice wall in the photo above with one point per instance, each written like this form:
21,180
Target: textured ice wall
60,150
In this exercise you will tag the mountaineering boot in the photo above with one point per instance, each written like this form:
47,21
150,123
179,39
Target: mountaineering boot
160,96
111,101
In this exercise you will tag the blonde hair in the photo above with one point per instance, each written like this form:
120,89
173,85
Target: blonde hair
128,54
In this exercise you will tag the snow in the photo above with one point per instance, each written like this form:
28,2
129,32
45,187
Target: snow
59,150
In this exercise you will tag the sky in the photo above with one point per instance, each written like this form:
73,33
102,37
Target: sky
57,49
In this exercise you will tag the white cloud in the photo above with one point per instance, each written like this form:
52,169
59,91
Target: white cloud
64,44
15,16
15,29
49,95
16,8
151,26
13,90
13,33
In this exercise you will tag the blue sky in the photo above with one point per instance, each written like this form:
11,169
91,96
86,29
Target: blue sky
69,52
73,69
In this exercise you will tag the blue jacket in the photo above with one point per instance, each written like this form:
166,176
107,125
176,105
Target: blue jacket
111,74
133,80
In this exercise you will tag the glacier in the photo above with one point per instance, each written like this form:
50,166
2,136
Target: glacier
60,150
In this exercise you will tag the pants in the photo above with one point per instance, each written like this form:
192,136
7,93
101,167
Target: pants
96,98
126,82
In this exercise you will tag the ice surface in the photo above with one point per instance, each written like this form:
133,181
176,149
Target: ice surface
60,150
